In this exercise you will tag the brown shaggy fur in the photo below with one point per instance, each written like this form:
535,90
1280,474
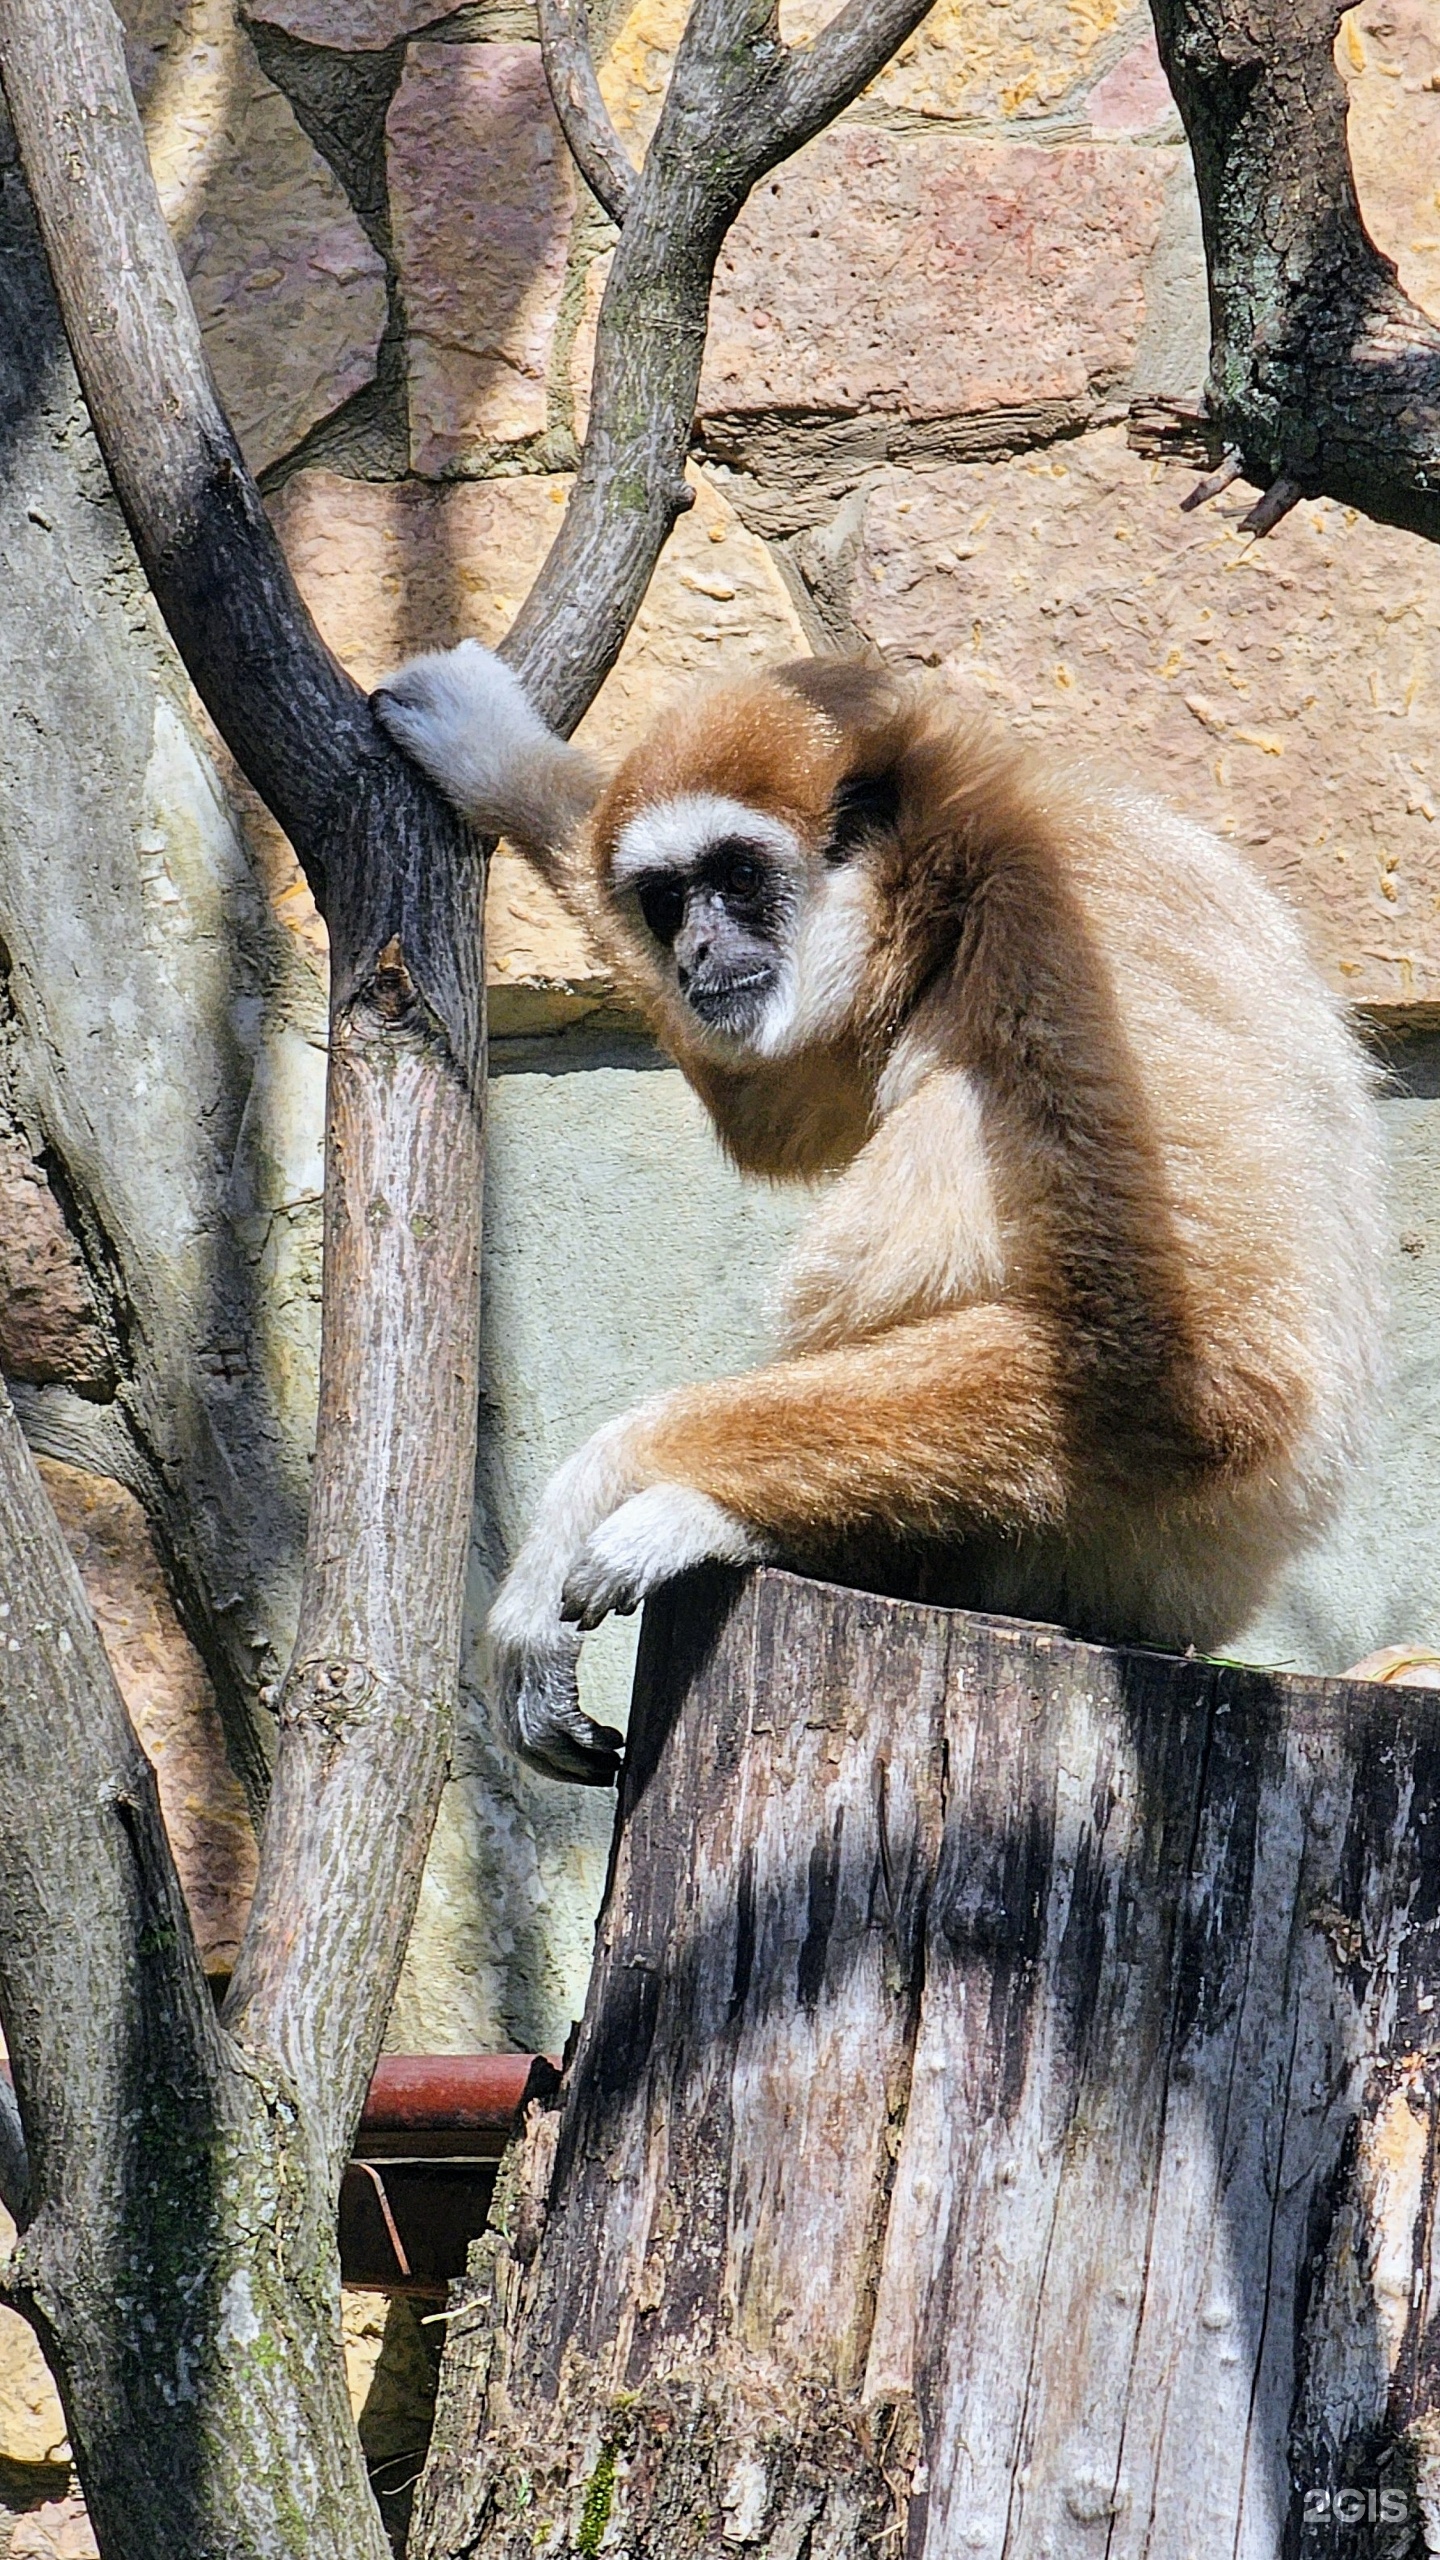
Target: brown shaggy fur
1138,1375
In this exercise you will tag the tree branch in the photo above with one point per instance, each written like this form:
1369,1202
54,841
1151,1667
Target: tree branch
362,1751
738,102
366,1707
596,147
1322,371
93,1924
823,77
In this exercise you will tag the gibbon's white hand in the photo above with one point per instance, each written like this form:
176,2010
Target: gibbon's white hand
596,1547
654,1536
467,721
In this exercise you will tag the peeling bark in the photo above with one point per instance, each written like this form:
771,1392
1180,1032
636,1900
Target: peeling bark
1004,2119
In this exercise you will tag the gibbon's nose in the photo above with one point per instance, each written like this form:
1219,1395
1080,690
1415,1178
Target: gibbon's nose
693,942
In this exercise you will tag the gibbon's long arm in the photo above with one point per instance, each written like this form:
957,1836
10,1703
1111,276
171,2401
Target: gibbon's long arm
932,1428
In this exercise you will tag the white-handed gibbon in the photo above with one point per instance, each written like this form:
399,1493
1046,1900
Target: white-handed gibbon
1088,1328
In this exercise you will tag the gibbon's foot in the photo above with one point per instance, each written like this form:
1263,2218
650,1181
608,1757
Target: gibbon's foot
648,1541
536,1692
466,721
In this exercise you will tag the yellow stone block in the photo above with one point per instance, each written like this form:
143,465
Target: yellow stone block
1388,52
969,59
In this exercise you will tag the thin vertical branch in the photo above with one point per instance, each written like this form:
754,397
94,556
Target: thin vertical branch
598,151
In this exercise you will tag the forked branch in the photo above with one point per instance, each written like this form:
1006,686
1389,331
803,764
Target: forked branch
738,102
1322,371
364,1709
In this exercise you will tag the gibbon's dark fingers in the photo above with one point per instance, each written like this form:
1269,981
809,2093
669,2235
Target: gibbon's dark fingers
536,1692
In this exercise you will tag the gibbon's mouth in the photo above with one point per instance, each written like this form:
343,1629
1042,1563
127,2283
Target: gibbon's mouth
730,1004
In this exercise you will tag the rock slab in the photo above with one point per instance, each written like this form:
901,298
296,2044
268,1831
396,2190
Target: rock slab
288,291
482,199
1283,691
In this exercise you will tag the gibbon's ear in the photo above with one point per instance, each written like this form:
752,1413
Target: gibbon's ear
864,805
855,696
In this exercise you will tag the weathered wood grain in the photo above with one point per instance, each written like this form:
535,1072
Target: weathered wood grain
1004,2119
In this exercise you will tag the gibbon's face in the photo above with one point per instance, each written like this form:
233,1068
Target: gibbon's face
733,842
719,890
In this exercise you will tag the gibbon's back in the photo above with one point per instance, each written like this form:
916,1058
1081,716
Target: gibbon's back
1248,1107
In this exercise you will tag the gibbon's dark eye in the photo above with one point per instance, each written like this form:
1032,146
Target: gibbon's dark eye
736,871
662,904
742,876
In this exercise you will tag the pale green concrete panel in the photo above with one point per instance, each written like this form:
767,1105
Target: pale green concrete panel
623,1255
1376,1579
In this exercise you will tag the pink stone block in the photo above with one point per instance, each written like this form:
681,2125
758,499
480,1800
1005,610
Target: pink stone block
1389,56
930,276
1283,691
1133,97
482,202
354,26
170,1701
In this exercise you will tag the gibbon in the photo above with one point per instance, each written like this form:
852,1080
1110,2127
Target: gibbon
1087,1330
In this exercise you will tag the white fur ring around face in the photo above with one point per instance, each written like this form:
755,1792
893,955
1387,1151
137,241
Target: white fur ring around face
536,1690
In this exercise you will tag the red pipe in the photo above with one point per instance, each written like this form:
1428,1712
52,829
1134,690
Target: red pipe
473,2100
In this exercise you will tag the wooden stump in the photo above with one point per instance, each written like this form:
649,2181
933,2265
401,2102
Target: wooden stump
1004,2120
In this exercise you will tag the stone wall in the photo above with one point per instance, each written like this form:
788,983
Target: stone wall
926,330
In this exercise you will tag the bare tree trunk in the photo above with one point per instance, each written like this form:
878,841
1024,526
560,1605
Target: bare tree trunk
1005,2118
177,2252
1324,375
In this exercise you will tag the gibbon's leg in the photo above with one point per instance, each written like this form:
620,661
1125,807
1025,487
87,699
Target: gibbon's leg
959,1421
